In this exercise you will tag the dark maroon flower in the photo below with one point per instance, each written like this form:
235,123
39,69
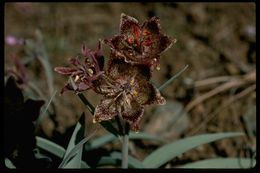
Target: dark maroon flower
84,72
126,91
139,44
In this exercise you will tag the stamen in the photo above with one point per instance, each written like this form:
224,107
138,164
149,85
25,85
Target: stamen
90,71
76,79
132,81
135,93
158,68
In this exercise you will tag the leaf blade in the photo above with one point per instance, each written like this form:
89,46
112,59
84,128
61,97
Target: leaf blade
231,163
98,142
50,146
167,152
172,78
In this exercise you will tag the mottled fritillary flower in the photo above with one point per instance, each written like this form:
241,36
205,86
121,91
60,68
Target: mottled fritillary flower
84,71
125,84
126,91
139,44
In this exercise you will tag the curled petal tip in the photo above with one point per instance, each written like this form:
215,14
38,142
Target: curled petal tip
123,14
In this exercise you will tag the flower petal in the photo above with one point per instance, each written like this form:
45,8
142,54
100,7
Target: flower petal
65,70
146,94
129,25
151,26
154,41
105,110
133,114
120,69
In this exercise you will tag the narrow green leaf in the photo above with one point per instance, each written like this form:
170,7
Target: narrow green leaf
132,162
41,117
75,162
89,106
72,141
172,78
9,164
98,142
50,146
167,152
107,160
115,159
145,136
233,163
74,151
84,165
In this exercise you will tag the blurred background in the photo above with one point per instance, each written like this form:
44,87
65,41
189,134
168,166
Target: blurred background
215,94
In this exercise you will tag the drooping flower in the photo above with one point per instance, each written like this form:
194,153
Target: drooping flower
126,91
139,44
84,71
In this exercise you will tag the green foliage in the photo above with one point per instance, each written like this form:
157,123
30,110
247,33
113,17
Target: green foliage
115,159
50,146
43,113
172,78
167,152
9,164
232,163
72,157
98,142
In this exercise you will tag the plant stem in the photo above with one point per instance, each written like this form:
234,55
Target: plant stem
125,147
125,151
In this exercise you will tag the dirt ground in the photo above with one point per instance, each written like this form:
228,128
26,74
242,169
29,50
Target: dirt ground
215,94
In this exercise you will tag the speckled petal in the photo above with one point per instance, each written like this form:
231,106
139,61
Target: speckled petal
154,42
118,68
133,115
147,94
105,110
129,25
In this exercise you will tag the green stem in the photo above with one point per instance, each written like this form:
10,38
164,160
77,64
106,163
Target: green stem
125,151
87,103
125,146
